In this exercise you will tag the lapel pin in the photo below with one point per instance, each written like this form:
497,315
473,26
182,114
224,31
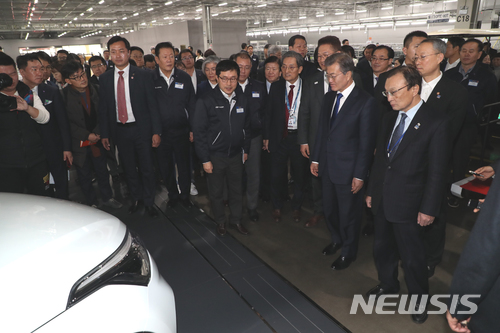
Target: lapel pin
438,95
417,126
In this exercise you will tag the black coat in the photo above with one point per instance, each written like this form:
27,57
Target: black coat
203,88
256,94
308,69
414,179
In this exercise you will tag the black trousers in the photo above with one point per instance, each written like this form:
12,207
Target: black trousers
32,180
265,175
288,149
461,151
136,154
171,152
231,170
59,170
435,237
98,164
400,240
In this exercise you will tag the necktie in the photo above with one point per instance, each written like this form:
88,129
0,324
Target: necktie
396,136
122,103
290,103
335,109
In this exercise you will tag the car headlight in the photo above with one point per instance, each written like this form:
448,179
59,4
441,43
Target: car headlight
129,264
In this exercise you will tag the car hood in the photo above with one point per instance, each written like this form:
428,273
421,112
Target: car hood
46,245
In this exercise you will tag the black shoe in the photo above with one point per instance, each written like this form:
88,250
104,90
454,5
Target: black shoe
419,318
253,215
331,249
241,229
368,229
430,271
172,203
342,263
453,201
134,207
151,211
187,203
379,291
221,229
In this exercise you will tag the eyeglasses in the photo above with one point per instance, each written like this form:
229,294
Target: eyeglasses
228,79
324,55
137,56
96,66
78,77
187,58
48,68
379,59
272,69
392,93
422,57
292,68
333,76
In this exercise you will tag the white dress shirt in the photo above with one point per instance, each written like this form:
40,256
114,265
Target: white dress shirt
294,108
428,87
168,79
326,85
243,85
375,80
347,91
194,80
126,72
452,65
230,99
213,85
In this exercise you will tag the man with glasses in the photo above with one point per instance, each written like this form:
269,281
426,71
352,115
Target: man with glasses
298,44
381,62
440,93
46,64
342,156
221,128
196,75
280,136
137,54
56,136
315,88
98,67
407,184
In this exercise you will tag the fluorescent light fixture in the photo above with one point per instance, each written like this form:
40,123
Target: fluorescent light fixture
224,12
101,2
269,21
387,8
154,21
263,5
340,13
223,4
75,19
66,25
302,17
180,14
136,14
256,22
313,28
36,1
385,25
320,15
168,3
82,14
361,11
115,21
124,18
346,27
197,18
166,18
415,4
400,23
150,9
372,25
199,10
323,29
450,1
235,10
27,35
170,23
69,22
215,15
90,9
284,20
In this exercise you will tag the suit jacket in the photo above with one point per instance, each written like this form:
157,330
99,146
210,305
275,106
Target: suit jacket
345,150
176,103
275,116
56,133
110,65
142,99
94,80
367,78
383,104
414,179
203,88
451,98
200,77
308,69
261,74
256,94
310,108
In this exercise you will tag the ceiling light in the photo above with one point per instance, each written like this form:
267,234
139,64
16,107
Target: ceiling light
415,4
450,1
124,18
256,22
284,20
90,9
100,31
263,5
215,14
346,28
197,18
340,13
115,21
75,19
82,14
399,23
31,14
168,3
320,15
235,10
66,25
150,9
181,14
302,17
170,23
70,22
269,21
107,24
361,11
386,8
154,21
199,10
27,35
136,14
101,2
36,1
223,4
131,30
166,18
143,23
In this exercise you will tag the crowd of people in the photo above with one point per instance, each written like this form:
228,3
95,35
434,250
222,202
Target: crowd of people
382,134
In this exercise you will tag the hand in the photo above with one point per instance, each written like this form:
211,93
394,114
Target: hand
265,145
455,325
356,185
156,140
22,105
425,220
68,157
245,157
105,143
94,137
208,167
476,210
304,149
191,137
368,200
314,169
486,171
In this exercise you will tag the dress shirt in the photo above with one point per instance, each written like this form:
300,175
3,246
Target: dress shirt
194,80
126,72
294,112
428,87
326,84
167,78
243,85
345,93
410,114
375,80
452,65
464,74
230,99
213,85
268,86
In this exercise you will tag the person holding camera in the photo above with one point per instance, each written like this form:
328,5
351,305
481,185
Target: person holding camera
23,165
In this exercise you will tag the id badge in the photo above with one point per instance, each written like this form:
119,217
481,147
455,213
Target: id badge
239,109
179,85
473,83
292,121
255,94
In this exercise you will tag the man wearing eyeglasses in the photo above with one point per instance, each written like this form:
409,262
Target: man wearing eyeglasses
98,67
137,54
197,75
221,128
407,185
342,156
56,136
440,93
280,136
381,62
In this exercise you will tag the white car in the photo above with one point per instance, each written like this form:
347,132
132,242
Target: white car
65,267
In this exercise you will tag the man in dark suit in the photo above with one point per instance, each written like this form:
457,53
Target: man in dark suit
315,88
298,44
342,156
132,120
196,75
56,137
407,184
255,61
256,95
452,55
381,62
98,66
176,100
109,62
280,135
440,93
364,63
